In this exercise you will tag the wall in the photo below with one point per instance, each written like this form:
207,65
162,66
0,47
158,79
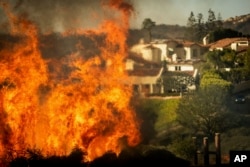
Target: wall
183,67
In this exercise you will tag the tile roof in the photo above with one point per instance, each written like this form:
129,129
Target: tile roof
175,73
139,59
223,43
184,43
190,61
144,72
180,42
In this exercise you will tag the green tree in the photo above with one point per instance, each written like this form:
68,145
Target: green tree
221,33
191,27
213,79
200,28
203,111
222,58
147,25
211,26
219,21
247,63
191,20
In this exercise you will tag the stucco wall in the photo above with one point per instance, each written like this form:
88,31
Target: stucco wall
183,67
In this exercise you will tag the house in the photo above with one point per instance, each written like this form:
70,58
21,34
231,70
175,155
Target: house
148,52
144,75
146,81
184,50
169,50
145,63
183,65
237,44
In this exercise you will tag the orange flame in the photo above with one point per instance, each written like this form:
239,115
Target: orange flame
89,109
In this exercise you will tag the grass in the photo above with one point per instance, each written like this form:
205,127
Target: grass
166,113
163,109
235,137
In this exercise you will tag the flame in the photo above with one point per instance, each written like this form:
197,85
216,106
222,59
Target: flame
88,109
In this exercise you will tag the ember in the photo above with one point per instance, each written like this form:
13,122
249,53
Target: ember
87,109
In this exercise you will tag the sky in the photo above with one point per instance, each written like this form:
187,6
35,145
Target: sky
58,15
177,11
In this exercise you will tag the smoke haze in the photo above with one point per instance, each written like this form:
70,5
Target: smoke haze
60,15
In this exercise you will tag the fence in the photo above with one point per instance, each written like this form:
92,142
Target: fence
206,152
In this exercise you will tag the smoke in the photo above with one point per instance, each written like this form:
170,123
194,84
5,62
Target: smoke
61,15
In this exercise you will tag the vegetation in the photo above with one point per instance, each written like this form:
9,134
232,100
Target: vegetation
147,25
194,31
154,116
182,147
212,80
176,82
173,122
136,156
222,59
203,111
239,64
197,28
221,33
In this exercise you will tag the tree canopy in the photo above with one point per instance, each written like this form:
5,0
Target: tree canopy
148,24
197,28
203,111
211,79
221,33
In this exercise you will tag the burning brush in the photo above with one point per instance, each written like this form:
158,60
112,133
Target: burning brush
88,108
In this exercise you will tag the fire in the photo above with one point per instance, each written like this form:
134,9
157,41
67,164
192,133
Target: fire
89,109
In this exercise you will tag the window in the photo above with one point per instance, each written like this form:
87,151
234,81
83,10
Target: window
177,68
195,53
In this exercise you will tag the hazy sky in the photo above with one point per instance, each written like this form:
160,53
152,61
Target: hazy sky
178,11
59,15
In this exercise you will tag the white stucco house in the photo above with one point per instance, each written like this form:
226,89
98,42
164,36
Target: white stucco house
144,65
144,75
169,49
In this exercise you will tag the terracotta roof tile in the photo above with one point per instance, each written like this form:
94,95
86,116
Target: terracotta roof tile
139,59
174,73
144,72
223,43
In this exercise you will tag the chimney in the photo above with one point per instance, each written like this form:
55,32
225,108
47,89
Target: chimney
206,39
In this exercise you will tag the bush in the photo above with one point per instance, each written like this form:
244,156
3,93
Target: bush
183,147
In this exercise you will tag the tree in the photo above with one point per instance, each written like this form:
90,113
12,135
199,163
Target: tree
203,111
223,33
176,82
247,61
212,79
147,25
211,26
245,65
219,21
222,59
191,20
191,24
200,27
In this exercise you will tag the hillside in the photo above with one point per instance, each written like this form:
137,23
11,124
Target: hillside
237,23
161,31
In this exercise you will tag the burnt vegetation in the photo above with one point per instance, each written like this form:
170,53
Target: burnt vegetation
136,156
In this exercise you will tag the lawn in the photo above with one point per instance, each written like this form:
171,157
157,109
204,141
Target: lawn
161,111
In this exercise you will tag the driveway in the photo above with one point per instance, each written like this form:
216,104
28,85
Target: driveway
242,108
